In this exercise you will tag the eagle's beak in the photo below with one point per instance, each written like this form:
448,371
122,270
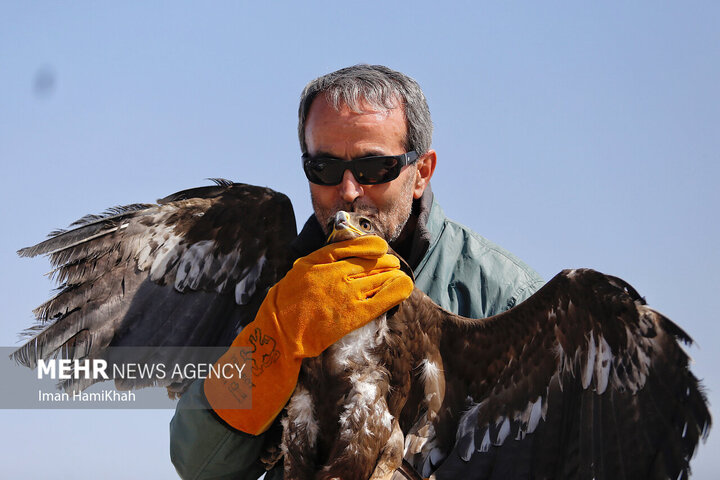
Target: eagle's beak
343,228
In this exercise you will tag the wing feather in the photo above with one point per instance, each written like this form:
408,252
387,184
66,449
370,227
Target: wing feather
190,270
582,380
86,229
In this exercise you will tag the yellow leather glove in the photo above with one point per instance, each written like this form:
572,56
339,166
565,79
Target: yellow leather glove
326,295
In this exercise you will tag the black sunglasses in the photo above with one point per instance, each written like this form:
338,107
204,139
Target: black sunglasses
367,170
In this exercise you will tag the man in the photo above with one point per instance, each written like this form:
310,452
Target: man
346,120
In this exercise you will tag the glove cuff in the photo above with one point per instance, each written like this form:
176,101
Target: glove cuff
273,376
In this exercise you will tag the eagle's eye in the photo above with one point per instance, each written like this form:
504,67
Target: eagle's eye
365,224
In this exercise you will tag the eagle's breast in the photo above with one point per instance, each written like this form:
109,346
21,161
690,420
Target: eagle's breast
359,347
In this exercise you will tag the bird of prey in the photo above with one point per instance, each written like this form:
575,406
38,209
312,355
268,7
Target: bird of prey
582,380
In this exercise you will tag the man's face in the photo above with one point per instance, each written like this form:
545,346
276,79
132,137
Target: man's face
345,134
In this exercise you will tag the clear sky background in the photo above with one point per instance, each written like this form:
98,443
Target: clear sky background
573,135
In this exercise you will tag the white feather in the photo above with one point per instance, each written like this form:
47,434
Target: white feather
165,258
247,283
430,371
602,365
535,414
301,411
485,444
503,432
589,362
193,263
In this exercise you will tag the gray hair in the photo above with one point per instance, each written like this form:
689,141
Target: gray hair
380,87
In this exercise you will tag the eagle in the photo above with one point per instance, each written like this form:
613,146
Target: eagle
581,380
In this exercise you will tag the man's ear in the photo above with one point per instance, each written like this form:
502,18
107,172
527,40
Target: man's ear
425,168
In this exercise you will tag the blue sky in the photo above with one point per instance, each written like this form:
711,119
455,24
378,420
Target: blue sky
573,135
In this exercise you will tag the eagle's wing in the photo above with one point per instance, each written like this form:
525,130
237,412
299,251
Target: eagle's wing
582,380
190,270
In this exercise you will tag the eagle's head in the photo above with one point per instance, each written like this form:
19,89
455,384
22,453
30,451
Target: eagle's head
347,225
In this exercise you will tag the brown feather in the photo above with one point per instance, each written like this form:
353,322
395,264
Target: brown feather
582,380
191,270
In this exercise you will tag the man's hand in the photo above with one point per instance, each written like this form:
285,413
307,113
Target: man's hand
326,295
335,290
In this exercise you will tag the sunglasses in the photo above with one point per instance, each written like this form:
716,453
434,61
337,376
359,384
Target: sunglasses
367,170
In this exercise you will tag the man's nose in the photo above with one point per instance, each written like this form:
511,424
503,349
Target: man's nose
350,189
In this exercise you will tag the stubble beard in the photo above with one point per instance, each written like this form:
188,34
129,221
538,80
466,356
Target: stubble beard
389,223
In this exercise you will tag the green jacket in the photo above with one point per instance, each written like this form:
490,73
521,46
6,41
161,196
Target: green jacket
460,270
